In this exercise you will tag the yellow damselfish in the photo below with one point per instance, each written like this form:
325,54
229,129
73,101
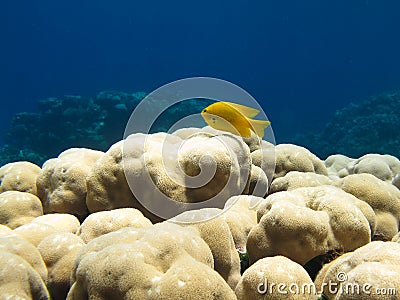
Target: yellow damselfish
234,118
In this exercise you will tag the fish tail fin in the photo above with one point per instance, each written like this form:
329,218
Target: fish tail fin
258,126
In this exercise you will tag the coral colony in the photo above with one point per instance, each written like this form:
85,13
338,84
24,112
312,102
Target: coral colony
74,226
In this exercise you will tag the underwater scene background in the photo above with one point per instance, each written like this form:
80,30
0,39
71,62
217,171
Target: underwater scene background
106,195
326,74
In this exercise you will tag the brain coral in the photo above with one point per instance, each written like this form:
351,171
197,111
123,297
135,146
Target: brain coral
307,222
19,176
104,222
385,167
261,281
34,232
241,217
61,222
62,182
396,181
6,231
163,165
257,184
337,165
59,251
25,250
165,261
262,155
383,197
396,238
18,279
295,158
367,273
216,233
19,208
295,179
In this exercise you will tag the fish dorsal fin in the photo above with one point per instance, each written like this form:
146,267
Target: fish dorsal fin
245,110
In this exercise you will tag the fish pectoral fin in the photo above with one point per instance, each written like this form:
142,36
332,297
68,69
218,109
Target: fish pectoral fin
244,110
258,126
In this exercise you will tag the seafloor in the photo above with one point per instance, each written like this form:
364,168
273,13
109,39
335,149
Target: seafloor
295,226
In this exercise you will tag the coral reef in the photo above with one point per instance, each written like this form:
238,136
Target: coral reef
258,282
25,250
164,261
359,129
384,167
75,228
34,232
216,233
294,179
241,218
295,158
396,181
155,175
61,222
61,184
103,222
19,176
18,208
18,279
59,251
368,273
6,231
91,122
336,165
79,121
309,221
383,197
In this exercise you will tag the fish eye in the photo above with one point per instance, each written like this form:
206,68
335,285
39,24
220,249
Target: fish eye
204,110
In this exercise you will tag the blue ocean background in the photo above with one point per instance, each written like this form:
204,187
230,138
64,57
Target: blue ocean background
301,60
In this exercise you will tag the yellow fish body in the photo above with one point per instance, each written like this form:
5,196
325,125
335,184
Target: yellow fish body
234,118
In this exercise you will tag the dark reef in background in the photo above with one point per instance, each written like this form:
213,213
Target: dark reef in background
372,126
76,121
69,121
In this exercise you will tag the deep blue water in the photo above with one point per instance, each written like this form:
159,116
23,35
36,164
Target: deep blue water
302,60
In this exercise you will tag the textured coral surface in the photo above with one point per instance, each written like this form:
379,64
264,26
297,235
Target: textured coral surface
79,228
